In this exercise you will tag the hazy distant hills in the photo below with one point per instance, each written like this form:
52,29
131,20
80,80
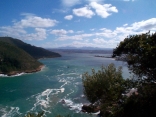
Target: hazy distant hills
36,52
83,48
17,56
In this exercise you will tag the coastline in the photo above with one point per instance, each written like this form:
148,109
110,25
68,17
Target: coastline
18,73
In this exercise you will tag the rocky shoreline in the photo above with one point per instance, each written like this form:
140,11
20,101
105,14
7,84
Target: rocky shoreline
13,73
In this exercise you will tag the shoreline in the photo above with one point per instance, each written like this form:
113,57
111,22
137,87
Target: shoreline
19,73
103,56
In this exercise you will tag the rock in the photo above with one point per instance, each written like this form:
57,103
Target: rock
90,108
63,101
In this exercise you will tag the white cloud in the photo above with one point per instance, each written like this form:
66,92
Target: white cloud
92,29
149,24
70,31
68,17
138,27
70,3
83,12
11,31
82,44
109,38
39,34
103,10
95,1
125,25
74,37
61,32
35,21
19,29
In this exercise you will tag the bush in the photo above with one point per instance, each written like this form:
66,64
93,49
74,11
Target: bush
105,87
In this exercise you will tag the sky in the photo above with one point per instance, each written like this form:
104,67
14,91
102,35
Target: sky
76,23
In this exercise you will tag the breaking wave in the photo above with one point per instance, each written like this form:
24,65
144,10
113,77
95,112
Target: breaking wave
71,105
9,111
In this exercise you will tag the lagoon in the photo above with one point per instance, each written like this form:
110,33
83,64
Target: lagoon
59,80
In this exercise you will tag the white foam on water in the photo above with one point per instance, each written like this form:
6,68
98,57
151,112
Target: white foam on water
63,74
10,111
22,73
3,75
43,99
64,84
96,113
71,105
19,74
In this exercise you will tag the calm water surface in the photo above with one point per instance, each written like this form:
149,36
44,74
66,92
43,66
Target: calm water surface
59,80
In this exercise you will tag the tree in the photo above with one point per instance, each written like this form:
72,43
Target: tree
105,87
141,105
140,51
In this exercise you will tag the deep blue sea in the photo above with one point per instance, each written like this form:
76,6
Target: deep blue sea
60,79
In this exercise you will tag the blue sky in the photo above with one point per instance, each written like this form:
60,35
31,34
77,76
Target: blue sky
76,23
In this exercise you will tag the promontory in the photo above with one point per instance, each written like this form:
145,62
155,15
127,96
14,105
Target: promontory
17,56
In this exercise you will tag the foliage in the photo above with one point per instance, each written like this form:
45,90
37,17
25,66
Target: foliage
141,105
14,59
141,55
35,115
105,87
36,52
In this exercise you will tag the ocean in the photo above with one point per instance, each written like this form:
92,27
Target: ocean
60,80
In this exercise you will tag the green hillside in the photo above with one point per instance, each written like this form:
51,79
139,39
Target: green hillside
14,60
36,52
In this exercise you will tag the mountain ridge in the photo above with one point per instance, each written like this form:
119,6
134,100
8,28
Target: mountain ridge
36,52
14,59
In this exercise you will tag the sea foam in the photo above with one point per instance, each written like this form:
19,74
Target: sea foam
43,99
10,111
71,105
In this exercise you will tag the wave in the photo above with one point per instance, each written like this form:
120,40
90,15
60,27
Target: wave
44,99
71,105
63,74
19,74
10,111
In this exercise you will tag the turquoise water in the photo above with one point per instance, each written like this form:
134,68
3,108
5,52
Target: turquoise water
59,80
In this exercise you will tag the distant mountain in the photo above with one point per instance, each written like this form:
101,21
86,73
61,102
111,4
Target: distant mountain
14,60
36,52
84,48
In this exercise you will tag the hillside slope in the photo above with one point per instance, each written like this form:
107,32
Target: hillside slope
14,60
36,52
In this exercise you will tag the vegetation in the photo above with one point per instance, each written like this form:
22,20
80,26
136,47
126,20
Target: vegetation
17,56
101,85
36,52
140,52
141,105
35,115
106,87
14,60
